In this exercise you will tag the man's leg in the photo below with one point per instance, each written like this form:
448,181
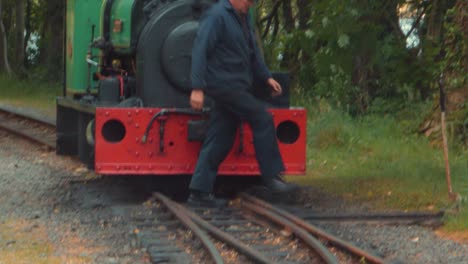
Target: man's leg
217,144
246,107
266,147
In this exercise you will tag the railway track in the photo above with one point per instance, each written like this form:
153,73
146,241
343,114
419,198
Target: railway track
33,128
248,231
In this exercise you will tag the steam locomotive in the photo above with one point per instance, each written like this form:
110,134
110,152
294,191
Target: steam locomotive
125,104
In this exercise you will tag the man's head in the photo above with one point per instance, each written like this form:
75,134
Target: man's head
242,6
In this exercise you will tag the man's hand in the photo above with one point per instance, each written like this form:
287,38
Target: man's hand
196,99
275,87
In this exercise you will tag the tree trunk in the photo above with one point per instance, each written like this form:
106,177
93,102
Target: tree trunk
3,45
289,21
434,21
304,13
50,53
27,28
19,38
288,16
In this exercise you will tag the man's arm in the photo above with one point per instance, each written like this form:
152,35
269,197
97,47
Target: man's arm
207,37
261,70
259,67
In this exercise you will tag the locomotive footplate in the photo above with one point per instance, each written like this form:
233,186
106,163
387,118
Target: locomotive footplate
157,141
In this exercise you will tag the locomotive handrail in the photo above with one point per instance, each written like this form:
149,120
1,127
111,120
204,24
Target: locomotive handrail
166,111
91,62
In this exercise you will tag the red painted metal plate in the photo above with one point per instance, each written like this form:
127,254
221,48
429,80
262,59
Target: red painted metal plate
129,155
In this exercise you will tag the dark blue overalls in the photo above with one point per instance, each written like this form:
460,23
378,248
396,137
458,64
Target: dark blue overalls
225,61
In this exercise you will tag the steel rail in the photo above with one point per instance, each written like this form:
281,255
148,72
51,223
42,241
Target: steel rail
226,238
21,131
315,230
311,241
27,136
187,221
396,216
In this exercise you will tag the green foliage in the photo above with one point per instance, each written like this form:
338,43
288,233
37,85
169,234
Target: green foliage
39,37
354,55
353,52
330,41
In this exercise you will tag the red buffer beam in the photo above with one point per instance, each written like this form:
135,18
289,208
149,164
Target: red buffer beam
122,148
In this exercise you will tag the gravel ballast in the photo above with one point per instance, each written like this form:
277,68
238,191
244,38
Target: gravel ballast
43,219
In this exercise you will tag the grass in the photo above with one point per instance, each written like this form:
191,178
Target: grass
378,159
27,93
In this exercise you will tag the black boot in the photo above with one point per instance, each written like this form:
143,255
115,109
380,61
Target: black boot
202,199
277,185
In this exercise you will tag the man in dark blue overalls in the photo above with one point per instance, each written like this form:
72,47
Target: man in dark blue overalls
225,61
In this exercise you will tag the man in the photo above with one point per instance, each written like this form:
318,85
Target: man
225,61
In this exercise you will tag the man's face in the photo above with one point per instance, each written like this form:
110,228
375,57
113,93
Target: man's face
242,6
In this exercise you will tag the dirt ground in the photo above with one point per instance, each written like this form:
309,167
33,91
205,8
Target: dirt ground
43,219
